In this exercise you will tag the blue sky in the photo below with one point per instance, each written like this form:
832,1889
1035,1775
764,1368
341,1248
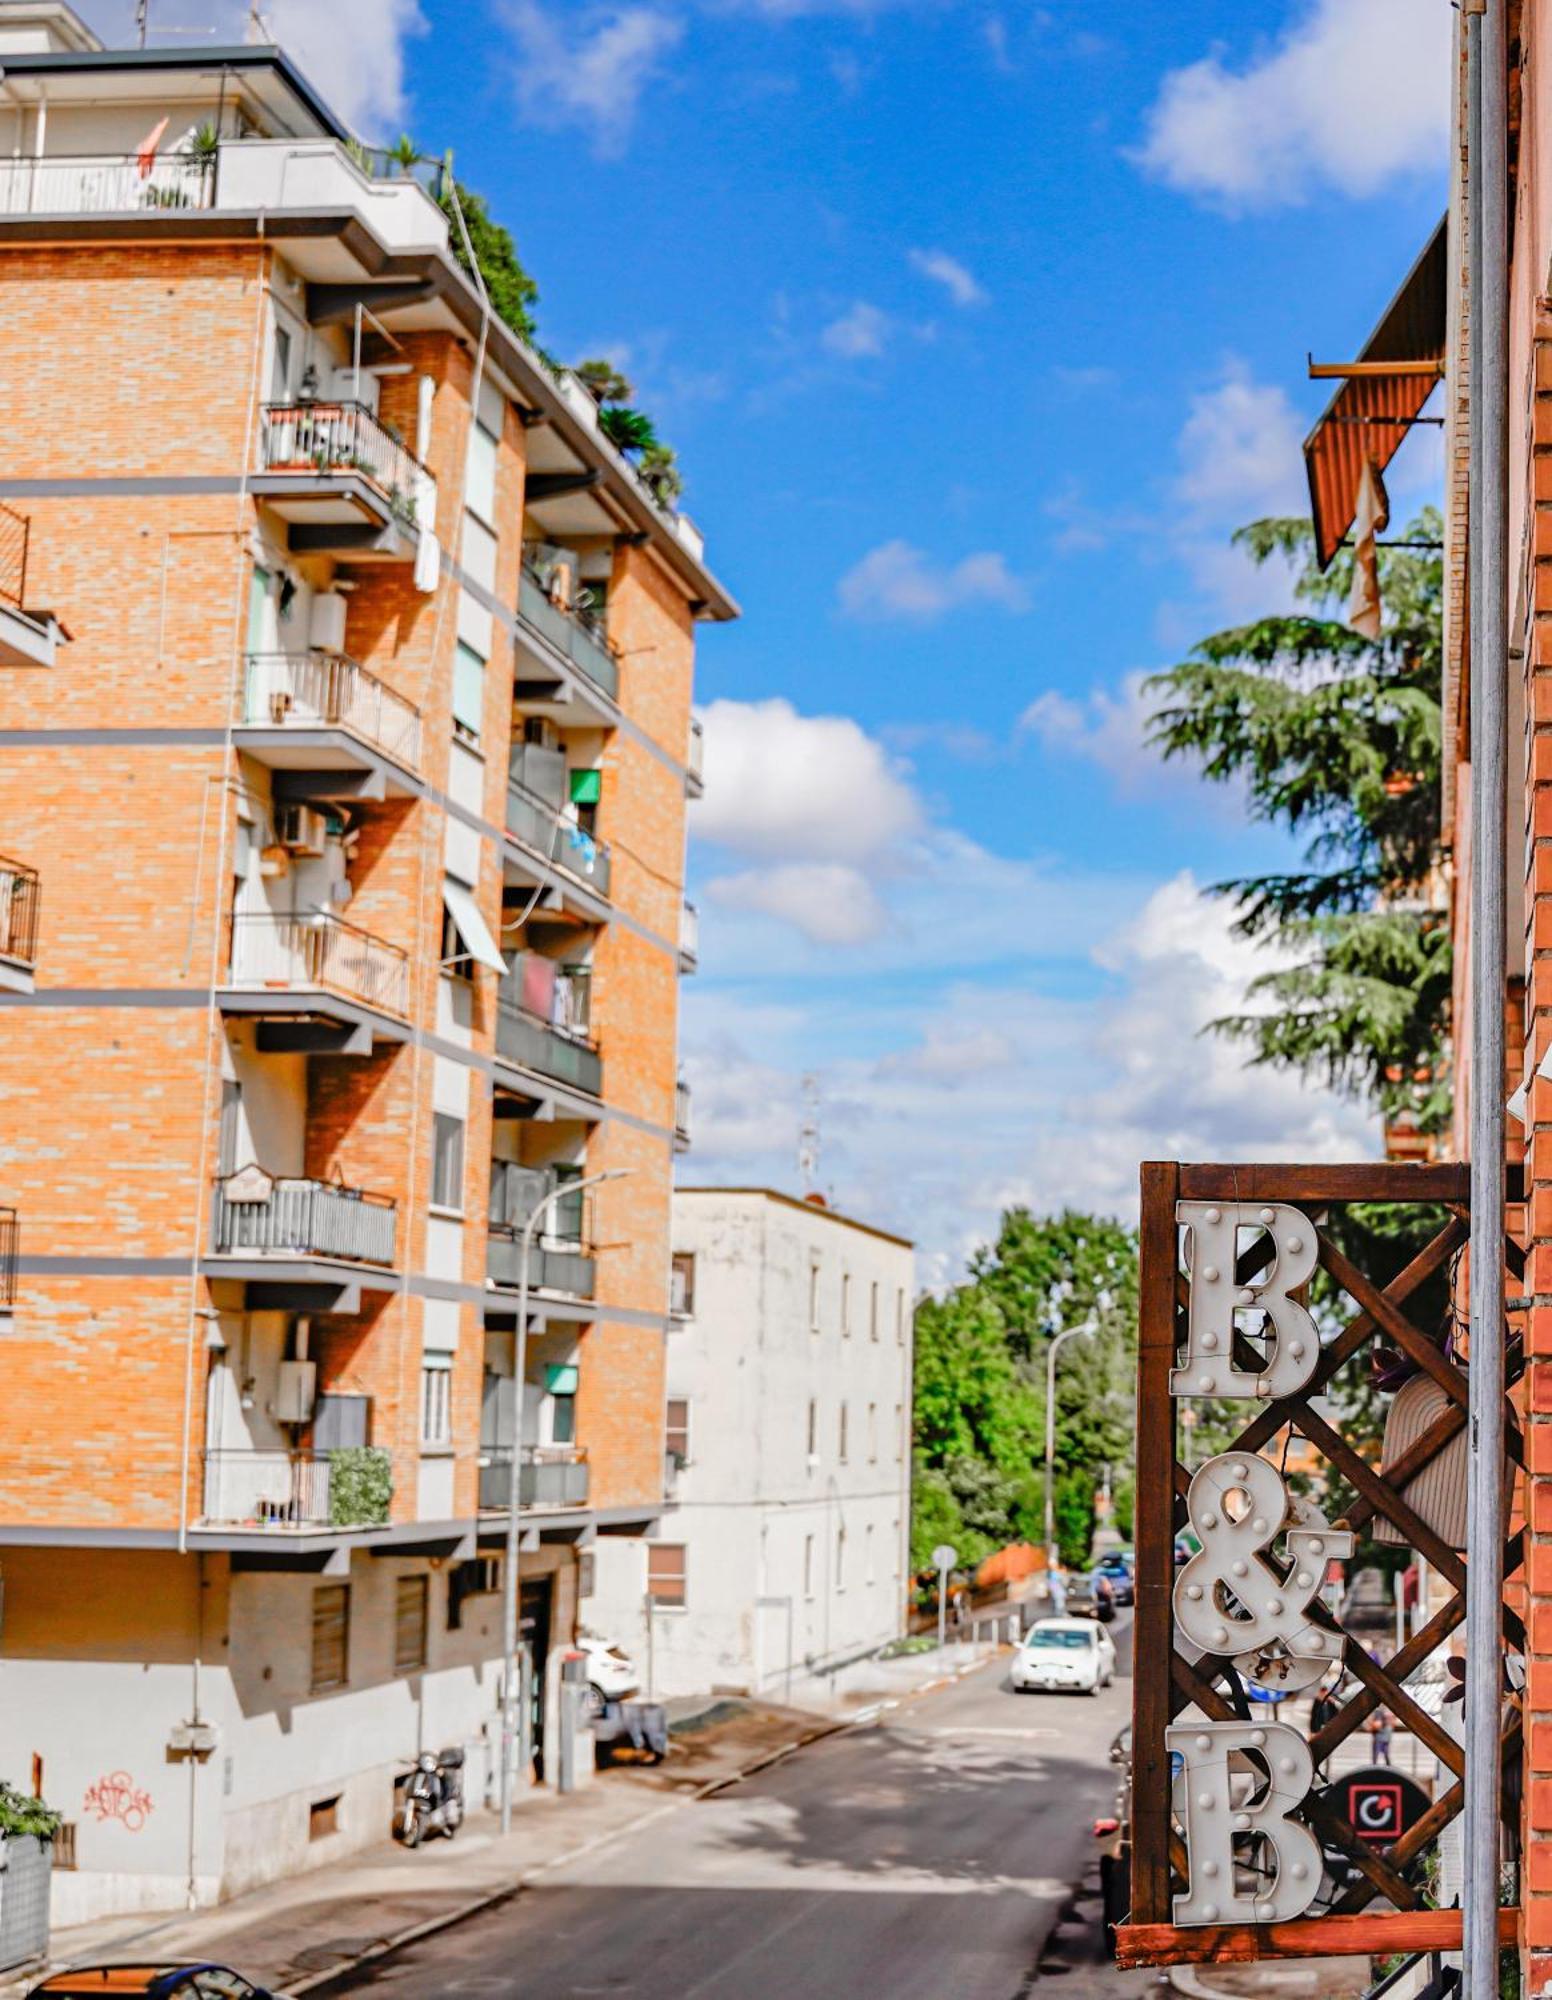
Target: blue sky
976,327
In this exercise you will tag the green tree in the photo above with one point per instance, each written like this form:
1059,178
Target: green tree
513,293
1337,738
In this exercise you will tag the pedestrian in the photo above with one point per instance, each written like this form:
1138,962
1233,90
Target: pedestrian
1057,1585
1379,1726
1322,1709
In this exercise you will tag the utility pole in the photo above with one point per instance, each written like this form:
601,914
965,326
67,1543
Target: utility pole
1068,1333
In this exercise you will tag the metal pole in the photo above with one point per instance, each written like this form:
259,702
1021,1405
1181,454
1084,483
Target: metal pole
1069,1333
942,1607
509,1586
1487,57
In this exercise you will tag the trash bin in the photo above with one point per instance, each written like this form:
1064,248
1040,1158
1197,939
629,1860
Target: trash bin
26,1864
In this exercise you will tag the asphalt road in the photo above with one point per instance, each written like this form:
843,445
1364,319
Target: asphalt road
925,1855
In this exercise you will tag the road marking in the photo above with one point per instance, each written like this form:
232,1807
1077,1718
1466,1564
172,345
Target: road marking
987,1729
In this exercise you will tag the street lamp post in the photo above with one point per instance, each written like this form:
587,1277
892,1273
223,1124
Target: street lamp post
509,1590
1069,1333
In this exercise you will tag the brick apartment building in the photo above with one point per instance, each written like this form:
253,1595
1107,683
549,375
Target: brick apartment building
345,740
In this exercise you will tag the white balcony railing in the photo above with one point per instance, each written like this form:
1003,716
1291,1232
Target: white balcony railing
266,1489
325,440
328,690
106,184
318,949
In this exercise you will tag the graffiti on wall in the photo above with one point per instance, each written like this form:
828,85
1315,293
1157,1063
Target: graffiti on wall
116,1796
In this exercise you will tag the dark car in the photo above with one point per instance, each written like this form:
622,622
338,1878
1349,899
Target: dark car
1117,1572
187,1980
1091,1596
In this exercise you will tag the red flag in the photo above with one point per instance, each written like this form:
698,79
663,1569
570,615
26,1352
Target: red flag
145,153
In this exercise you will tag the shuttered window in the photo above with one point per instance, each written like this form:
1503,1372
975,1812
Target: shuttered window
665,1572
468,693
409,1624
677,1429
331,1637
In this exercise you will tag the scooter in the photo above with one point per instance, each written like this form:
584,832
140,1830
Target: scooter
433,1797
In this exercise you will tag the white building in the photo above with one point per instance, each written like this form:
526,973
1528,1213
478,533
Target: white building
784,1550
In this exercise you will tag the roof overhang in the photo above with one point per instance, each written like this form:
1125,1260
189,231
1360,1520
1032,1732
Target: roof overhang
167,76
1370,415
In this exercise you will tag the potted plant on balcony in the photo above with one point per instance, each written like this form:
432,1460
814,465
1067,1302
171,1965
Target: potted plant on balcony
27,1830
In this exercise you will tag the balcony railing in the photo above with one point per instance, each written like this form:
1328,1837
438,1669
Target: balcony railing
330,690
541,1020
319,949
689,932
578,635
546,831
10,1238
330,438
289,1489
106,183
15,534
304,1218
18,913
569,1271
682,1112
549,1475
697,758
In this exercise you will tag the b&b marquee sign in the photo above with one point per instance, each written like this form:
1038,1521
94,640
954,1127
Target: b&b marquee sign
1235,1852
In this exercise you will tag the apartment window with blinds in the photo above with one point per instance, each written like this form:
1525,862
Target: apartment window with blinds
681,1285
868,1574
808,1565
331,1637
676,1431
813,1294
447,1161
840,1559
665,1574
411,1597
872,1433
845,1302
840,1436
479,491
813,1431
468,693
873,1310
436,1401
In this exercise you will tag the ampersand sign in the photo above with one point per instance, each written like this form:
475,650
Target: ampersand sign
1293,1344
1229,1597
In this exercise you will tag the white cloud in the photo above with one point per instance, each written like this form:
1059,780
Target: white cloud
857,334
1240,451
1354,94
948,272
353,50
1106,726
828,902
896,580
589,66
786,787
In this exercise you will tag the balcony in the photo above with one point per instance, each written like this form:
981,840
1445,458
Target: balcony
542,828
549,1475
28,638
576,634
316,711
10,1241
541,1021
689,937
107,184
347,484
257,1215
681,1116
557,1260
19,890
339,988
272,1491
695,765
570,1271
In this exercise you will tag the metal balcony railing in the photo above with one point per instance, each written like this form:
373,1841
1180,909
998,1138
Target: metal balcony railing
10,1238
331,438
106,183
15,534
569,1271
682,1111
541,1020
547,832
689,932
19,890
576,634
285,1489
315,690
550,1475
319,949
305,1218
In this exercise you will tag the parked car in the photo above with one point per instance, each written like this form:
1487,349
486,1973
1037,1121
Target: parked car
1062,1654
611,1672
1118,1571
1091,1596
193,1980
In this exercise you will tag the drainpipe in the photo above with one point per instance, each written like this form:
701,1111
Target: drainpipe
1487,112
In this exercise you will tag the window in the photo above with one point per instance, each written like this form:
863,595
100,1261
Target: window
447,1161
676,1434
872,1434
868,1575
840,1558
873,1310
900,1316
665,1573
681,1285
813,1293
331,1637
280,372
840,1436
808,1565
813,1431
479,489
323,1818
468,693
409,1623
476,1576
231,1127
587,1574
436,1400
845,1303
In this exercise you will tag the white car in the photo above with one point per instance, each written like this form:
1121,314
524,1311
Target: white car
611,1673
1064,1653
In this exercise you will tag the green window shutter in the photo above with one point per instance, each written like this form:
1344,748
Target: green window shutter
586,787
468,691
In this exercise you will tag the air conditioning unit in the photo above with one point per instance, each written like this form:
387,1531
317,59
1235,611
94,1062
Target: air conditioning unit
295,1392
541,732
301,828
326,622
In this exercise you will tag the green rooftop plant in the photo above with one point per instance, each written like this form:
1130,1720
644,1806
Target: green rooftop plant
626,429
604,382
659,468
513,294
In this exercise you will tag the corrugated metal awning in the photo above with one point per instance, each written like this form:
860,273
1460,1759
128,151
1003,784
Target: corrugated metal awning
1369,415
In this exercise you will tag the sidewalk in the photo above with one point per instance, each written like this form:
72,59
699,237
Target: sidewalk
293,1935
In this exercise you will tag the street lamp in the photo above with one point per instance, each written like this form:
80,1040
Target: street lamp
509,1592
1070,1333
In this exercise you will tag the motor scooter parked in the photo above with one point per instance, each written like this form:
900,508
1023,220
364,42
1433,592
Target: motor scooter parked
432,1800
